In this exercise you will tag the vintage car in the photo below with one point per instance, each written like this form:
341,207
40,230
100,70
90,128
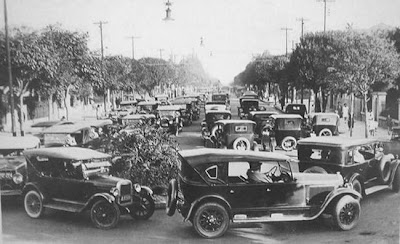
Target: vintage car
362,162
215,189
262,118
248,105
186,109
299,109
216,105
147,107
287,130
232,134
76,179
13,163
223,97
162,99
130,122
393,145
170,118
324,124
210,118
250,94
118,113
57,135
129,105
37,128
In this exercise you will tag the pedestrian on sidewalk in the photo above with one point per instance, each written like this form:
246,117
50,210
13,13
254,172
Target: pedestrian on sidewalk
389,124
345,112
340,110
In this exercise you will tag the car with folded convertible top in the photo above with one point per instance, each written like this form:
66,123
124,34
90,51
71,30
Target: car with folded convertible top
213,190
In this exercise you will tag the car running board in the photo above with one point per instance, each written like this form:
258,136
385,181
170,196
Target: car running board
68,206
274,217
374,189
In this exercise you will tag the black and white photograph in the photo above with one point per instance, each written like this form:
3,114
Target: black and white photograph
213,121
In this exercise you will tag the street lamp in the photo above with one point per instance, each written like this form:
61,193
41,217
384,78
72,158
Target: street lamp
168,11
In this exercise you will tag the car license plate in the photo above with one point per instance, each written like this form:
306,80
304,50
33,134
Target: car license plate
6,175
125,197
164,124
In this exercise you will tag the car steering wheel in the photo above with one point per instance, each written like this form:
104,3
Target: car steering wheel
272,171
285,177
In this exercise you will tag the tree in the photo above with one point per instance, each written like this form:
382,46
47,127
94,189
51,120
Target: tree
363,60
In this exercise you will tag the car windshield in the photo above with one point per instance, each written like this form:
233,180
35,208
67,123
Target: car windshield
396,135
94,167
288,124
319,154
218,97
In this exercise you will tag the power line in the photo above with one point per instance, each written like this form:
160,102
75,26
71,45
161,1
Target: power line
101,23
286,30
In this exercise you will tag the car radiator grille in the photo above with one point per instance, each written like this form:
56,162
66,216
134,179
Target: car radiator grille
125,193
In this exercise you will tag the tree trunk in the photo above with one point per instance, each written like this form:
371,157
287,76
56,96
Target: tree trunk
66,97
366,115
21,114
50,104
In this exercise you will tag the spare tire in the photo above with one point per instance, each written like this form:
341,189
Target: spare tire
288,143
241,143
315,170
172,197
384,169
325,132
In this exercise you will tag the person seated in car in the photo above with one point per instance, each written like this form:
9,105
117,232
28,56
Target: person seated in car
358,157
254,174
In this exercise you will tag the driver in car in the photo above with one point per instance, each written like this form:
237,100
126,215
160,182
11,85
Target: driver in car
254,174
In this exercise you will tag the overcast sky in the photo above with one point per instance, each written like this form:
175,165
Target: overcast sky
233,31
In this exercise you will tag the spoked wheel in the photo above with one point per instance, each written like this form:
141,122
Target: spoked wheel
325,132
241,143
33,204
172,197
288,143
211,220
346,213
105,215
145,209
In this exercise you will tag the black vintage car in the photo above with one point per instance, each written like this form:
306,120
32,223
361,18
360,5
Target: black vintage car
248,105
13,164
299,109
324,124
216,188
362,162
287,130
170,118
211,117
77,179
147,107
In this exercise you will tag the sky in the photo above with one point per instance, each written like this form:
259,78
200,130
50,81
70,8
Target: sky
233,31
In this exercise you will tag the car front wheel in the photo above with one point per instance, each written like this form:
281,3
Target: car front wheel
145,209
346,213
33,204
172,197
211,220
288,143
396,180
105,215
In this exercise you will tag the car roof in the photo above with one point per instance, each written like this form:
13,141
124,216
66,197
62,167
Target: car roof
96,122
235,121
196,157
46,123
69,128
296,104
249,99
169,107
72,153
317,114
11,142
148,103
215,111
263,112
139,116
335,141
128,102
289,116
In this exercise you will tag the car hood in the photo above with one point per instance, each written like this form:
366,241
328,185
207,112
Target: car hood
318,179
105,181
11,164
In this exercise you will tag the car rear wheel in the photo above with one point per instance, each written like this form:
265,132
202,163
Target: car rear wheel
384,169
33,204
396,181
288,143
211,220
172,197
315,170
241,143
346,213
104,215
325,132
145,209
357,186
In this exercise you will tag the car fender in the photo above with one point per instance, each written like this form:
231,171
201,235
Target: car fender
355,176
33,186
336,193
147,190
207,197
393,167
106,196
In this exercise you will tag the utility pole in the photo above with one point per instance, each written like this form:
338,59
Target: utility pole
286,31
133,45
302,35
9,71
101,23
161,50
324,1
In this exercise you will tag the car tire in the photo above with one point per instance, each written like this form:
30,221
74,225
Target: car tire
214,130
346,213
357,186
211,220
33,204
241,142
145,209
396,180
325,132
315,170
286,140
384,169
172,197
104,215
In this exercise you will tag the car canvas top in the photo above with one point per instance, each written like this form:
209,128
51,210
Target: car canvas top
27,142
72,128
335,141
139,116
169,108
72,153
196,157
235,121
289,116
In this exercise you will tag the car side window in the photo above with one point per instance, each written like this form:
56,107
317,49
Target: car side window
212,172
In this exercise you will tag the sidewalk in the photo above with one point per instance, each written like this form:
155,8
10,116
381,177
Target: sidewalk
359,131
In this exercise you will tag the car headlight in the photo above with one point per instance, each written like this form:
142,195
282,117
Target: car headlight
18,178
137,188
170,122
114,191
